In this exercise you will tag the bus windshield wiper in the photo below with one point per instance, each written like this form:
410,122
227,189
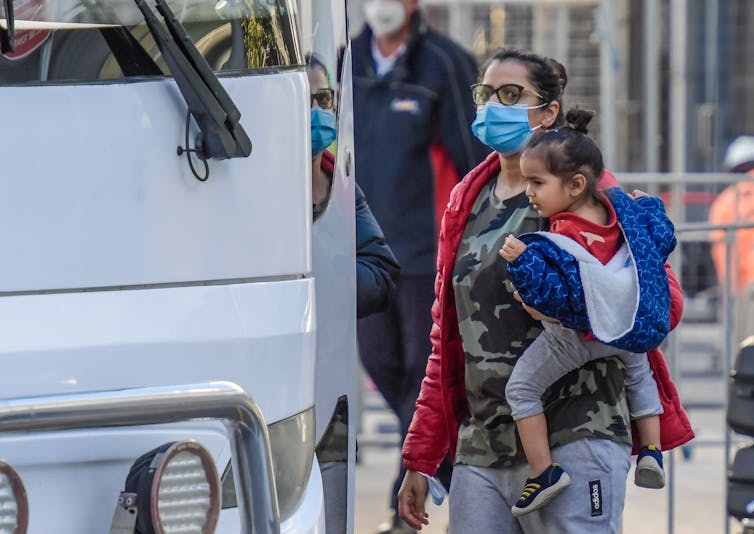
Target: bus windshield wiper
222,136
7,34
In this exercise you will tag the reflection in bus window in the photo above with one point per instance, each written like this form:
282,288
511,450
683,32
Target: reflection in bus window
323,131
264,42
92,43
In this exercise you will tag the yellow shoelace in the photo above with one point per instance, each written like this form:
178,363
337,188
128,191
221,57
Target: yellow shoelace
529,489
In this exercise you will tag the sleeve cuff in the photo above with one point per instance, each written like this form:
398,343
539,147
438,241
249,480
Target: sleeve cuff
436,489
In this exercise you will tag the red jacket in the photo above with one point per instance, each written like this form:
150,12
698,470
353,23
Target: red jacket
442,404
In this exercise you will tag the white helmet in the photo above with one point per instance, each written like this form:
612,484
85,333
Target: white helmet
740,154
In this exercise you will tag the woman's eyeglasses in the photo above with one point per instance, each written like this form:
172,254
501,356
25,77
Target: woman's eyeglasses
508,93
324,98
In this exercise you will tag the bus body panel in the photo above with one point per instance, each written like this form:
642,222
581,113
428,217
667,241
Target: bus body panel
260,335
122,270
334,268
104,340
334,262
97,196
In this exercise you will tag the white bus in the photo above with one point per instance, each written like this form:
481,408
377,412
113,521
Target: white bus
175,332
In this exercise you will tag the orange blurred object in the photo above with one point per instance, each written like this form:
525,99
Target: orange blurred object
734,204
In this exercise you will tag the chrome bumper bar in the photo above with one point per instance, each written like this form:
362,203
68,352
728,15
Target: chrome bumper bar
226,401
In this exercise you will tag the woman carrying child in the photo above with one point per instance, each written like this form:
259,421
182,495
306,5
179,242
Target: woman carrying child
480,331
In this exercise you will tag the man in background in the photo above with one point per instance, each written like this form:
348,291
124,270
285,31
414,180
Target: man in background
735,204
412,116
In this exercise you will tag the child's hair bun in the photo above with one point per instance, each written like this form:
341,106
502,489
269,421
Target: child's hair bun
578,119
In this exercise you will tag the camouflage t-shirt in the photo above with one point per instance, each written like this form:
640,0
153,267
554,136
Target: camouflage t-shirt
495,330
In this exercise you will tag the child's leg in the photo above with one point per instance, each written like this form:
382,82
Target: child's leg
649,430
546,480
641,389
554,353
645,406
540,366
650,472
524,392
533,433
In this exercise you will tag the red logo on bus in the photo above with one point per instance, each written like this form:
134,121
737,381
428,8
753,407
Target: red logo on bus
30,39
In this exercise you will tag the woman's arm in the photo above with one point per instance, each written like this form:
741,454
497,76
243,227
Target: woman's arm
376,267
427,440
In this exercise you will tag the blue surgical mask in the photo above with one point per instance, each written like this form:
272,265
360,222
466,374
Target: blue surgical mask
505,129
323,129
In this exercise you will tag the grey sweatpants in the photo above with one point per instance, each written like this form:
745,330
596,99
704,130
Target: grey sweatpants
556,352
481,497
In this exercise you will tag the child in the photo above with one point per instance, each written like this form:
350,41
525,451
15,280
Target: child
585,274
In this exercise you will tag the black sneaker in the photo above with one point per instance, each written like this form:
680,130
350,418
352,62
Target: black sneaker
649,471
541,490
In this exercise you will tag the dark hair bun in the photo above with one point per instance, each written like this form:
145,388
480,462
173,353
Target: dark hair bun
560,70
578,119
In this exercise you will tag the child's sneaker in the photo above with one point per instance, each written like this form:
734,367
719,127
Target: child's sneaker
541,490
649,471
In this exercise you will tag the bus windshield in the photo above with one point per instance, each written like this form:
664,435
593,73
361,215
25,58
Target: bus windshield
59,41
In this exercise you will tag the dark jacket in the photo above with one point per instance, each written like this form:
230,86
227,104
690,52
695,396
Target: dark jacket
376,267
409,124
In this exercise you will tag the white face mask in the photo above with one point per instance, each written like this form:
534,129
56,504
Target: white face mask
384,16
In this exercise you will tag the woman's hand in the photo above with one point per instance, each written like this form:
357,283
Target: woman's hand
512,248
411,499
638,193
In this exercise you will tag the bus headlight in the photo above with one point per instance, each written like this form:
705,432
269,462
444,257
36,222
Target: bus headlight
292,451
185,494
292,447
14,507
176,489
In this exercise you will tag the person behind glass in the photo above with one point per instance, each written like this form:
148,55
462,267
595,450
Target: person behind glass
480,330
376,273
324,132
575,273
412,146
377,269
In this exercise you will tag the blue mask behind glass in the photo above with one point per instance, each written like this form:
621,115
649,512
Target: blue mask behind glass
505,129
323,129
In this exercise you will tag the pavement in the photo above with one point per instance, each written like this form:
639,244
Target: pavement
692,503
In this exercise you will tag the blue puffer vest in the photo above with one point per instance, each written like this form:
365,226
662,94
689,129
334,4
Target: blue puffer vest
559,293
